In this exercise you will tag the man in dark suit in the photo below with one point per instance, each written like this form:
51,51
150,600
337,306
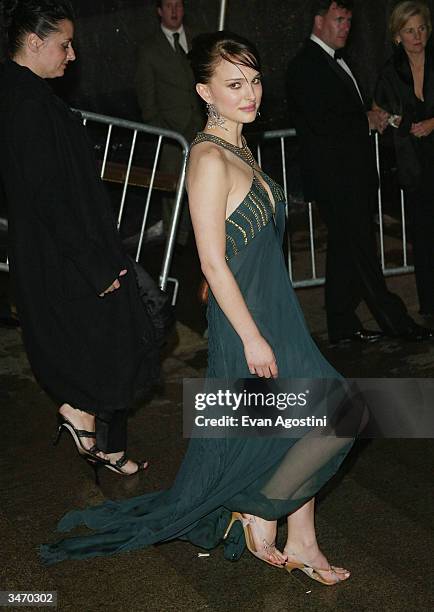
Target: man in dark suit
166,91
339,173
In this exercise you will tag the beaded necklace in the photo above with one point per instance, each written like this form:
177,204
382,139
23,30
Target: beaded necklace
243,152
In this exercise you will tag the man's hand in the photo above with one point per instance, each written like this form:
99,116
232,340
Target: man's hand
378,120
423,128
115,284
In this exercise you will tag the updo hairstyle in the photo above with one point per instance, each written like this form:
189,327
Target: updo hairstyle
209,49
21,17
403,11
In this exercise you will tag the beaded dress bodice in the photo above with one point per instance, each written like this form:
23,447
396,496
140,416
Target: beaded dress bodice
256,210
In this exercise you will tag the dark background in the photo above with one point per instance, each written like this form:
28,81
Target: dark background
109,33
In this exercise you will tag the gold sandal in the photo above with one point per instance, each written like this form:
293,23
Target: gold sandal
313,572
266,547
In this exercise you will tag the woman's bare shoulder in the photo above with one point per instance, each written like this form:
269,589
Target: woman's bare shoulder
207,152
207,160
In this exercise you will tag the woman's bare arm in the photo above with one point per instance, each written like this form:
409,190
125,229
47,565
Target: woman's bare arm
209,185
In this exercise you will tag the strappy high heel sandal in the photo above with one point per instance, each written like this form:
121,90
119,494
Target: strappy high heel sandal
77,434
119,464
313,572
98,462
91,455
266,548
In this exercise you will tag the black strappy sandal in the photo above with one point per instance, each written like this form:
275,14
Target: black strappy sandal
91,455
76,434
99,462
119,464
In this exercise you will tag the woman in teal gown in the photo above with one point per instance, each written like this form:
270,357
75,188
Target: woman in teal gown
256,329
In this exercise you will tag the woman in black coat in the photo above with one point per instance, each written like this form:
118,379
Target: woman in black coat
88,338
405,89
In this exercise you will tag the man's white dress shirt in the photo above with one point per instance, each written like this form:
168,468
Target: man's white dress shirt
340,61
182,37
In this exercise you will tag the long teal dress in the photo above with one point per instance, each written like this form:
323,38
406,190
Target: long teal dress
266,476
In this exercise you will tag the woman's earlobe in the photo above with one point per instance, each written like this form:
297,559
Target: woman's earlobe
203,92
33,42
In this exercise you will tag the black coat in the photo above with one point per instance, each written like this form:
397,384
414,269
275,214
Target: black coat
395,94
332,126
64,251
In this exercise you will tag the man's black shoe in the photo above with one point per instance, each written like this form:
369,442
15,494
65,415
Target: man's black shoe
417,333
361,335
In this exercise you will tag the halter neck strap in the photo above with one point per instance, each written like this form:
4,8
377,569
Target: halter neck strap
243,152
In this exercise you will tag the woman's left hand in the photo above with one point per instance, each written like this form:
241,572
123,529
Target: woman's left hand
422,128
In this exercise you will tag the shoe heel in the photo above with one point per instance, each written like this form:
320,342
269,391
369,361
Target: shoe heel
234,542
95,465
290,566
236,516
57,435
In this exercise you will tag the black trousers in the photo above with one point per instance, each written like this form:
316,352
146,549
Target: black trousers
353,271
420,212
111,431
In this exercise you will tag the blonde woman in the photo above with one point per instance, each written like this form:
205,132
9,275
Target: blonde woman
405,89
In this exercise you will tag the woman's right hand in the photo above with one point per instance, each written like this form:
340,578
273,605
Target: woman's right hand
422,128
115,284
260,358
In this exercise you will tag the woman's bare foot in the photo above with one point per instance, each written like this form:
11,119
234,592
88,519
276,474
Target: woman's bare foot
312,557
80,420
260,539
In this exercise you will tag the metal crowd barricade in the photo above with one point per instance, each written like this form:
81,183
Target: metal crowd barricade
135,129
273,135
160,133
281,136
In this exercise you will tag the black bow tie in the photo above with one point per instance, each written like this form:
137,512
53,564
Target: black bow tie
339,54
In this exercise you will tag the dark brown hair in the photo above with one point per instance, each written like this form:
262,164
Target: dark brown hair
209,49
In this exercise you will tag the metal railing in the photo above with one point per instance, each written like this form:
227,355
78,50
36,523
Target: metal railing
133,131
282,136
160,133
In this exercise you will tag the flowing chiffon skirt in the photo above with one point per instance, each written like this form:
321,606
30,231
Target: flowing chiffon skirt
264,476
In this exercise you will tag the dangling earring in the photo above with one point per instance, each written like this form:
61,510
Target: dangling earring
214,117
